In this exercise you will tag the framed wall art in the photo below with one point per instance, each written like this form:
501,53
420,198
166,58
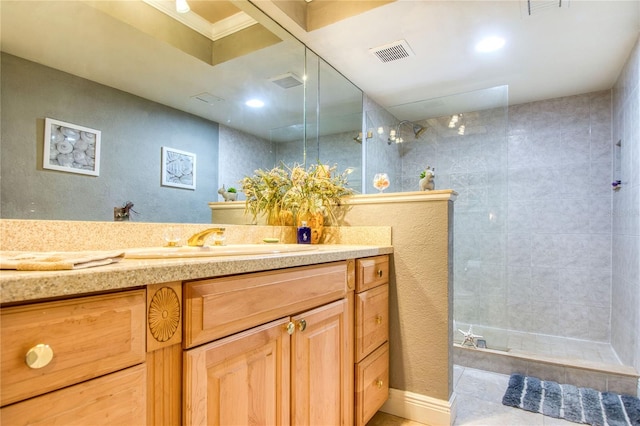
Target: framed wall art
178,168
71,148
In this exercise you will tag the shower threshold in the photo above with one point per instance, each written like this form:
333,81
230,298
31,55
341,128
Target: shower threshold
584,363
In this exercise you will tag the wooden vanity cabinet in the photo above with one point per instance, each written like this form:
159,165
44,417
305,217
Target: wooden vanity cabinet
371,337
91,370
290,361
274,347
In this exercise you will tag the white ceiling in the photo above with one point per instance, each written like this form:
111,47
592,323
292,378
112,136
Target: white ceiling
561,52
556,52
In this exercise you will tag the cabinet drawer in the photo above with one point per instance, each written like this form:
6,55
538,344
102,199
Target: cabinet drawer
115,399
372,320
371,272
89,337
220,307
372,384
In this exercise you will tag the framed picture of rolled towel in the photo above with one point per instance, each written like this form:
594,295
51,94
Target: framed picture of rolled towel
178,168
71,148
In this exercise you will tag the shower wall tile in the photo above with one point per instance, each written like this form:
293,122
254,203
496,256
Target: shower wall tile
574,321
625,315
519,286
545,283
559,206
599,324
562,215
519,249
520,216
536,206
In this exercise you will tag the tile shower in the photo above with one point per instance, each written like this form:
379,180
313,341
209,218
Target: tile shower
545,252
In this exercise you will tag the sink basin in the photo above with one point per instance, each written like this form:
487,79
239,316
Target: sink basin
210,251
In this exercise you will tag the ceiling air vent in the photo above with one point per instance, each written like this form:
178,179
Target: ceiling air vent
535,7
393,51
207,98
287,81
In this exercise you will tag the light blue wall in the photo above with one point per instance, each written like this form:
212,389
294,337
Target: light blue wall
133,132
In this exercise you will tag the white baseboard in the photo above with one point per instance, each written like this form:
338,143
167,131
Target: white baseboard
421,408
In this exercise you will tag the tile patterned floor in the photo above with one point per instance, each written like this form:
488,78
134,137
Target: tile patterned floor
479,397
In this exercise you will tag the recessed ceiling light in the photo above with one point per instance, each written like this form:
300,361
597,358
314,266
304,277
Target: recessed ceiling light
254,103
490,44
182,6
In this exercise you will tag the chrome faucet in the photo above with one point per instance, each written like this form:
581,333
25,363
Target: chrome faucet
198,239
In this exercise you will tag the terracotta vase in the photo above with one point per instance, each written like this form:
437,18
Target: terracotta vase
315,221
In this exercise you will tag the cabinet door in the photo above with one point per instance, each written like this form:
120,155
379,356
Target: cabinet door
240,380
322,374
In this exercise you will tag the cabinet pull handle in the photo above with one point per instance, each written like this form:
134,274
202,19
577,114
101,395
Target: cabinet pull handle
379,273
379,383
291,327
302,325
378,319
39,356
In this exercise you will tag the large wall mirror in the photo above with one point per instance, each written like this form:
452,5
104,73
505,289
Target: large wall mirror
149,79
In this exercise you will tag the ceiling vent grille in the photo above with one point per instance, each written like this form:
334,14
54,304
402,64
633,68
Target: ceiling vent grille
393,51
287,81
207,98
535,7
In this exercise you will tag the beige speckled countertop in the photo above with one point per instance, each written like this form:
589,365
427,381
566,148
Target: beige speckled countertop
21,286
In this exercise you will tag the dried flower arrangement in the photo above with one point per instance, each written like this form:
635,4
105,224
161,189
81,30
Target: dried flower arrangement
289,195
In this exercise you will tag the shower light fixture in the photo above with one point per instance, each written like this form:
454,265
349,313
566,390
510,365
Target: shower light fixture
182,6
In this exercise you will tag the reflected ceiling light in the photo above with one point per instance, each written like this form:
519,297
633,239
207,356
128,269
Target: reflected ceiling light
490,44
182,6
254,103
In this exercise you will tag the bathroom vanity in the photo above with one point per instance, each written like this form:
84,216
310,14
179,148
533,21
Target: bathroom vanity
298,338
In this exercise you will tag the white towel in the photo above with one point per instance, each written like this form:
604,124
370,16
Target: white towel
57,261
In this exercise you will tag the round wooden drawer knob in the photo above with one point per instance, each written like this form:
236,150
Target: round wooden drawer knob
379,384
39,356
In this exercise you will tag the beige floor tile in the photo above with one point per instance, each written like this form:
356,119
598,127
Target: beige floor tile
479,401
482,385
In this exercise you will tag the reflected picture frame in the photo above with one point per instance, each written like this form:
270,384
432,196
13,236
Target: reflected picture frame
178,168
71,148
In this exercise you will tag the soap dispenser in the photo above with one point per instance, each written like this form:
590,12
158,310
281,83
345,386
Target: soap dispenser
304,234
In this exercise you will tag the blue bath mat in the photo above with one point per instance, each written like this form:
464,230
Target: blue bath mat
579,405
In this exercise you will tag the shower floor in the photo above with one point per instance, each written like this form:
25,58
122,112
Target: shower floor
578,362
